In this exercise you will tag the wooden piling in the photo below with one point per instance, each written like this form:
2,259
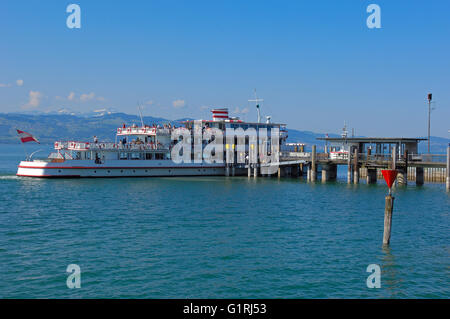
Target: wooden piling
355,167
447,182
389,207
349,168
313,164
332,176
371,177
324,174
401,177
419,176
394,158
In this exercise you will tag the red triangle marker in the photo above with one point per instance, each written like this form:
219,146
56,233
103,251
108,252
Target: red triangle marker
389,176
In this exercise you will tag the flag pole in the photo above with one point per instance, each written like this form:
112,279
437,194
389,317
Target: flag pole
26,154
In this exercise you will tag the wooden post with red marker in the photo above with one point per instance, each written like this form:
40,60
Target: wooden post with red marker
389,176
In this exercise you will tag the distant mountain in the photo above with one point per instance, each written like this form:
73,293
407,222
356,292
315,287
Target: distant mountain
50,127
307,137
437,145
67,125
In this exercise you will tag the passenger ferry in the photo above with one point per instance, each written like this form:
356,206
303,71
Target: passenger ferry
139,151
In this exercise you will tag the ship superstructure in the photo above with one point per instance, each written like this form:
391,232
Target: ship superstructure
139,151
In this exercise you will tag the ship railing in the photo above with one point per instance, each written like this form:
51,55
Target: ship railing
163,131
141,147
71,145
136,130
106,146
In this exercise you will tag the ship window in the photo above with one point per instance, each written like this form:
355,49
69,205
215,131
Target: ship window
123,156
148,156
135,156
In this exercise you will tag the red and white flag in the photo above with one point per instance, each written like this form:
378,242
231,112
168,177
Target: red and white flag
26,137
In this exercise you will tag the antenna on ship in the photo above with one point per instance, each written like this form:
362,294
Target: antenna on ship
344,131
140,114
256,100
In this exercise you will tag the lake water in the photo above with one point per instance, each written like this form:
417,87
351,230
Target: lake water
217,237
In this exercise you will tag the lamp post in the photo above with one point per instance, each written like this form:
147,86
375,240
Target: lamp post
430,97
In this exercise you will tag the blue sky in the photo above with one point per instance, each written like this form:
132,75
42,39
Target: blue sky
315,63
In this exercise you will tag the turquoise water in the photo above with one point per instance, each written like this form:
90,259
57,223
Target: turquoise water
217,238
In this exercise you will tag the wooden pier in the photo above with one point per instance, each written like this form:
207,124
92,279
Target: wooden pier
420,168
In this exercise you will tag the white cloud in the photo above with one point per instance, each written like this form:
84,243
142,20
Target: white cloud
3,85
204,107
34,99
239,111
87,97
150,102
19,82
178,103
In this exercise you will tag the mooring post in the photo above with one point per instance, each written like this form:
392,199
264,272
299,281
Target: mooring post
419,176
402,178
349,168
249,170
227,170
313,164
389,206
371,177
355,167
389,176
325,175
333,172
447,183
394,157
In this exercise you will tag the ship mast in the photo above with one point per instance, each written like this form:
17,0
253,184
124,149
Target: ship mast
256,100
140,114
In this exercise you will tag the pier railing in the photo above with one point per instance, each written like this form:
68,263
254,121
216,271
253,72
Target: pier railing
429,158
364,157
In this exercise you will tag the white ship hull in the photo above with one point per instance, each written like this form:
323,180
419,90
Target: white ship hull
118,168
